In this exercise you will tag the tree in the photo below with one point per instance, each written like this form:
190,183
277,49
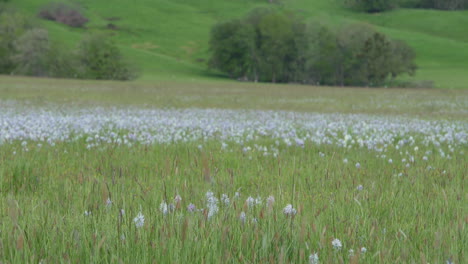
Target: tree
375,59
372,6
12,25
31,53
101,59
233,46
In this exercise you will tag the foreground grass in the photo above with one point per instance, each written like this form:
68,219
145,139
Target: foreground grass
417,216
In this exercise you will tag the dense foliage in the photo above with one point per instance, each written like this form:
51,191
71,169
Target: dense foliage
272,46
437,4
25,49
372,6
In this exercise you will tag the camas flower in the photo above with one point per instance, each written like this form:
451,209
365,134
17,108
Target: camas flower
313,258
289,210
336,243
139,220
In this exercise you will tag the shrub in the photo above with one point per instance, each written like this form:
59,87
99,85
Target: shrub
32,49
100,59
63,13
372,6
12,26
443,4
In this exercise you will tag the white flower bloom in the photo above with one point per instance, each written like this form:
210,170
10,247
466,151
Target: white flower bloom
250,201
358,165
139,220
236,195
122,212
351,253
87,213
313,258
289,210
270,200
225,199
163,208
108,203
336,243
177,199
363,250
258,200
242,217
344,161
360,188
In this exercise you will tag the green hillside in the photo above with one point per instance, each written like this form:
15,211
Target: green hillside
169,39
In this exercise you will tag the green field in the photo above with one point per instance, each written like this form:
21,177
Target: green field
231,172
168,40
380,169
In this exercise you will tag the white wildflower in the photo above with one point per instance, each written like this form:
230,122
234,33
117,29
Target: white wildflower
351,253
289,210
250,201
242,217
363,250
87,213
139,220
163,208
313,258
358,165
336,243
270,200
258,200
225,199
108,203
177,199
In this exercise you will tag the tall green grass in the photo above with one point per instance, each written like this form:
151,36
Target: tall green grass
418,216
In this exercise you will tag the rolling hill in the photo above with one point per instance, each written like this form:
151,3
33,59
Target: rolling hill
169,39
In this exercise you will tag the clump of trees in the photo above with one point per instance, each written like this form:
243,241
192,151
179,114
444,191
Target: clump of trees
26,49
276,46
436,4
372,6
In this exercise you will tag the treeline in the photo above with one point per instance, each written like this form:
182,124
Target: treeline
373,6
26,49
277,46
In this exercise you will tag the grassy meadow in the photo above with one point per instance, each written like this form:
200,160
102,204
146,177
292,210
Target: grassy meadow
222,172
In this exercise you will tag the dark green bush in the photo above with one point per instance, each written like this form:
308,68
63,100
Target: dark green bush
437,4
372,6
100,59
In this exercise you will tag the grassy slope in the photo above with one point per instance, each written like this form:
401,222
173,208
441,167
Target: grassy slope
168,39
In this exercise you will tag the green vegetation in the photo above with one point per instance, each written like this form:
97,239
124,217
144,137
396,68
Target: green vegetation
168,40
55,197
28,50
272,46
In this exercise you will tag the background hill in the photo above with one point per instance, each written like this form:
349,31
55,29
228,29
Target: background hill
169,39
